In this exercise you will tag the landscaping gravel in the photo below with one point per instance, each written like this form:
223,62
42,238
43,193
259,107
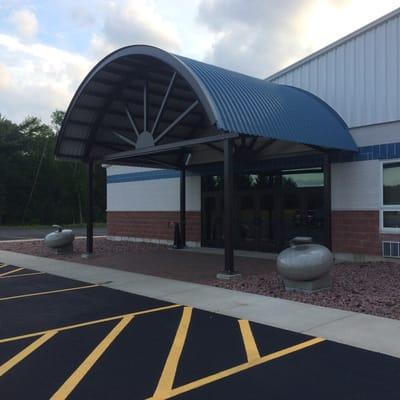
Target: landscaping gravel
370,287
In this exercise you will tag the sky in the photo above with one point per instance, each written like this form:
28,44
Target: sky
48,46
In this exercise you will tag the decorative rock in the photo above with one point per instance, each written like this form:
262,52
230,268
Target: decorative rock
61,240
305,266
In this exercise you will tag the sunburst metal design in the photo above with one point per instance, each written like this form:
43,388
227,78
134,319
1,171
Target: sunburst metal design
147,137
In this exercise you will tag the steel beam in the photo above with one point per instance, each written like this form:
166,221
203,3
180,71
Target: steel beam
161,148
228,207
176,121
89,218
182,211
327,201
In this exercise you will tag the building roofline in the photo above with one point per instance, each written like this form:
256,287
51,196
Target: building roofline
336,43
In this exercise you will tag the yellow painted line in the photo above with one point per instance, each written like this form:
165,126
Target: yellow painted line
12,362
11,272
168,374
239,368
88,323
249,342
2,265
20,296
70,384
19,275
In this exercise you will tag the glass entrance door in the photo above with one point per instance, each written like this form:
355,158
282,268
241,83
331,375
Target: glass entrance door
254,225
246,225
269,209
266,237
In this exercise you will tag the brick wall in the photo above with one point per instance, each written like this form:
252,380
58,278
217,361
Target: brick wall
356,232
152,224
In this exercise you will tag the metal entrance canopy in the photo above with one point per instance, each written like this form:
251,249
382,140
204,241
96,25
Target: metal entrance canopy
146,107
142,101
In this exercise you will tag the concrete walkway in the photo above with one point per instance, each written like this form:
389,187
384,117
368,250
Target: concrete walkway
356,329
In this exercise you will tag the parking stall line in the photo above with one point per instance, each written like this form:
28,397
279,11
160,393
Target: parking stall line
11,272
21,275
168,374
69,385
239,368
12,362
88,323
20,296
249,342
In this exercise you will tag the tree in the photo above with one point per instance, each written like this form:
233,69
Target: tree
34,187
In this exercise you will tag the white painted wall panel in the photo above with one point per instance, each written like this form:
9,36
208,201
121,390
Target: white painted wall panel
151,195
359,77
376,134
355,185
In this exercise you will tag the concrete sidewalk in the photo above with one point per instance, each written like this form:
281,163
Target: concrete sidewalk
356,329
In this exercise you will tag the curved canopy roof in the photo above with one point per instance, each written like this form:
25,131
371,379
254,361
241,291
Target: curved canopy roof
142,97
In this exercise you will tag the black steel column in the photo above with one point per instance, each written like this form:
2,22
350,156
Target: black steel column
327,201
228,206
182,213
278,212
89,217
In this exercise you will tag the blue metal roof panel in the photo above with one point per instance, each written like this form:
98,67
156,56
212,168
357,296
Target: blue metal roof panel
248,105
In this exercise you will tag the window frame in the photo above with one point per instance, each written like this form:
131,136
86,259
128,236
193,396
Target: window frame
383,207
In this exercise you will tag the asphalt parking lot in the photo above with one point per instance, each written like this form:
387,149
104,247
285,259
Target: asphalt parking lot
61,338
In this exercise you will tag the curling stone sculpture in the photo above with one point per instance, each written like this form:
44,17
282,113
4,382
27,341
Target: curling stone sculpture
305,266
60,240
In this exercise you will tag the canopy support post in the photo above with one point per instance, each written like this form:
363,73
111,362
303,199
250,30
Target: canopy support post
327,201
229,271
182,212
89,218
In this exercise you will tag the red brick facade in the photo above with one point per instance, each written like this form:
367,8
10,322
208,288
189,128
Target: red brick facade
357,232
152,224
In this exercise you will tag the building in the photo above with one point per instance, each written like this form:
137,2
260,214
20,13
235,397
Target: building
288,164
359,76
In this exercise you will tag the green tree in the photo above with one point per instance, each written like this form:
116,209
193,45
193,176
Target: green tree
36,188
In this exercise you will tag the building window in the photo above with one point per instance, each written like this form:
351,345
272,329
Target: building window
390,212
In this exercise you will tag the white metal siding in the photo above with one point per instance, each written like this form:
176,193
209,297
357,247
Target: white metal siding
356,185
359,77
151,195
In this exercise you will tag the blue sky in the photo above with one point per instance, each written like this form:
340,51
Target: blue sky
47,47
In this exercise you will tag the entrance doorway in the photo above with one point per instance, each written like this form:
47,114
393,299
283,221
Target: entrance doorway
269,209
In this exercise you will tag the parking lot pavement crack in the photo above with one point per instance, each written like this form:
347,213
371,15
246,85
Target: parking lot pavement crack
326,323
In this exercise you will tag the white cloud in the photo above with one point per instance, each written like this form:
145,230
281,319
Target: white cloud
252,36
259,37
25,22
43,78
133,22
5,77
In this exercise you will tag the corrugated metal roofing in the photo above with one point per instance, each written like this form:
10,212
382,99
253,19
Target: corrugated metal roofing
230,101
249,105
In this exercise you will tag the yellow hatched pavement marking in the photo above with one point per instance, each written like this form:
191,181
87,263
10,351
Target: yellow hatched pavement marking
19,275
239,368
168,374
250,344
12,362
88,323
20,296
70,384
11,272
